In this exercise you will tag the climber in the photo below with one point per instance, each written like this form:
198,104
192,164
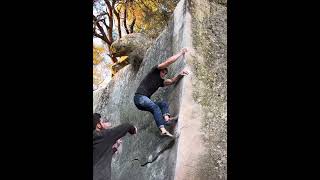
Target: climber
151,82
104,140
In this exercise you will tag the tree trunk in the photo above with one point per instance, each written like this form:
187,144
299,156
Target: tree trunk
125,20
114,59
110,17
119,24
132,25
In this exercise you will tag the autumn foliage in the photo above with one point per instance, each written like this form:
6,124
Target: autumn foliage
112,19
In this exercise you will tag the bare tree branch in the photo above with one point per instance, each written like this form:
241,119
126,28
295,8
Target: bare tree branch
134,19
108,5
105,24
132,25
110,20
125,20
97,35
104,36
102,14
119,24
113,3
103,20
114,59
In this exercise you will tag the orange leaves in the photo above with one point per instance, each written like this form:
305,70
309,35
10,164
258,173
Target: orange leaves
98,53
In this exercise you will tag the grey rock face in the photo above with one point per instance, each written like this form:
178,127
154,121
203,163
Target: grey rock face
200,100
146,155
209,36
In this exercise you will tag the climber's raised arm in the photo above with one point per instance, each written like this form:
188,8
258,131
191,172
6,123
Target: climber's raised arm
172,59
175,79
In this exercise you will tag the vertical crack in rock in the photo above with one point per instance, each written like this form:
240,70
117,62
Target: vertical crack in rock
155,154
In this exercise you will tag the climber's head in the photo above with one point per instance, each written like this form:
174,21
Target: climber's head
100,123
163,72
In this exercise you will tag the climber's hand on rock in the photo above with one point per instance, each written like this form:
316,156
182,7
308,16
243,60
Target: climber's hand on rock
133,130
184,72
116,146
119,141
136,130
184,50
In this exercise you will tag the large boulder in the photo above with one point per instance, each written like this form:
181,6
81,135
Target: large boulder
200,100
133,45
146,155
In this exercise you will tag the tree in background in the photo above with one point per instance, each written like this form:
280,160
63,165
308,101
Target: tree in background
146,16
113,19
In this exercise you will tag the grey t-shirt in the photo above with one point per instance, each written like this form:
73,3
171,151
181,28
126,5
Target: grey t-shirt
151,82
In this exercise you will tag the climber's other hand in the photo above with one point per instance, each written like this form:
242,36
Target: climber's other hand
184,72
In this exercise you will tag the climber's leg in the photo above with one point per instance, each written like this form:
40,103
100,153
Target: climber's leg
145,104
165,112
164,109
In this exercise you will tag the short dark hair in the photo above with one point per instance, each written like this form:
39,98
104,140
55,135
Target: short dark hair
96,119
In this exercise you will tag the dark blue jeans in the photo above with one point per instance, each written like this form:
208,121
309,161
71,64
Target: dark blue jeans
158,109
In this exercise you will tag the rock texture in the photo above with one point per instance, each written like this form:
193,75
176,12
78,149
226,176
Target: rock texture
132,45
209,64
200,99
